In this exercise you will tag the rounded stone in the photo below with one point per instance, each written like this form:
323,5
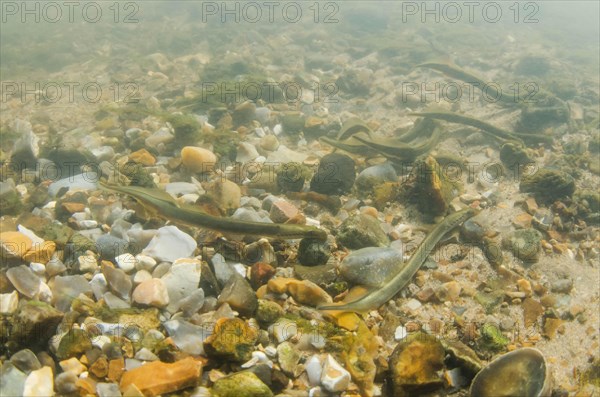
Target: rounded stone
197,159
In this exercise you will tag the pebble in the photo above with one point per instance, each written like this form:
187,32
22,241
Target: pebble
335,175
152,292
170,244
108,390
25,360
14,245
313,252
197,159
187,337
282,211
221,345
246,152
87,263
226,193
412,305
9,302
283,329
375,175
126,262
65,383
66,288
524,286
72,365
269,143
143,157
378,263
239,295
12,380
448,292
156,377
98,285
141,276
192,303
288,358
181,280
39,383
161,136
360,231
243,383
85,181
334,378
144,262
24,280
522,221
110,246
562,286
118,281
314,370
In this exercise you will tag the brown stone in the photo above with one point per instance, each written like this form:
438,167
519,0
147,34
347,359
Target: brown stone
157,377
531,206
522,221
86,386
532,310
308,293
282,211
260,273
142,157
116,368
100,367
551,325
71,207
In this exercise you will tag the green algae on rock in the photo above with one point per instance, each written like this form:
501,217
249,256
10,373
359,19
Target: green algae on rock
241,384
360,231
548,185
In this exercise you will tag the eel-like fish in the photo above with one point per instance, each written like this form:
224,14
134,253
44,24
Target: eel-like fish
163,205
382,295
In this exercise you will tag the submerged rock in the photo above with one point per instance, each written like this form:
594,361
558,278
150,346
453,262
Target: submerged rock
361,231
222,344
375,175
370,266
335,175
548,185
525,244
313,252
241,384
433,189
415,365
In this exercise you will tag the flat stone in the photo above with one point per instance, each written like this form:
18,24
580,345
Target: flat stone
239,295
282,211
40,253
152,292
72,365
9,302
67,288
181,280
126,262
156,377
14,245
118,281
186,336
379,263
142,157
170,244
12,380
25,360
39,383
288,358
24,280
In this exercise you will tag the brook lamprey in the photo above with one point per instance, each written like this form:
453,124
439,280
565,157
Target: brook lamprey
161,204
378,297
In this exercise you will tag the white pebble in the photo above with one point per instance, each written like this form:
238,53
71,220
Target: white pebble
38,268
400,333
144,262
9,302
334,377
314,370
126,262
39,383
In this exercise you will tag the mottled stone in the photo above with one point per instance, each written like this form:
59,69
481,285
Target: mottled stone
239,295
241,384
152,292
118,281
282,211
361,231
232,339
14,245
288,358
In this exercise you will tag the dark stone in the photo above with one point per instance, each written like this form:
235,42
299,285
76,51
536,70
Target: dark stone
335,175
313,252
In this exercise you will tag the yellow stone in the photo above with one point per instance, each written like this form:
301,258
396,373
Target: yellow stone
14,245
41,253
308,293
197,159
157,377
142,157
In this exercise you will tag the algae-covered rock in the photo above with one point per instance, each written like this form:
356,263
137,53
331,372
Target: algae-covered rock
34,324
313,252
433,190
361,231
232,339
9,199
73,343
525,244
268,312
415,365
548,185
137,174
515,157
241,384
491,338
335,175
291,176
186,127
